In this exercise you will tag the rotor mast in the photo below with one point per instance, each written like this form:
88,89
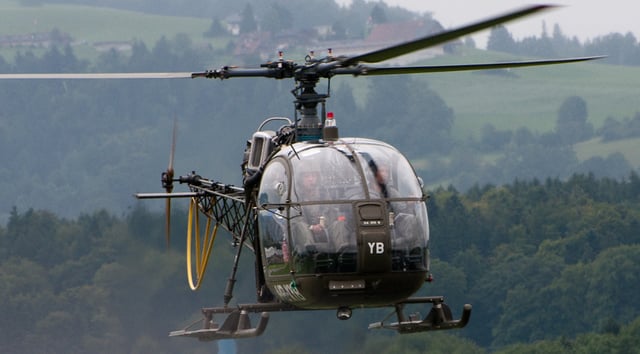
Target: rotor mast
309,125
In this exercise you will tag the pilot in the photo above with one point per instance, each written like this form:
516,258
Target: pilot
383,188
405,224
319,228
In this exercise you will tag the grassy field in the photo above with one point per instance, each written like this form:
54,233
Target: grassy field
630,148
531,97
525,97
88,25
94,24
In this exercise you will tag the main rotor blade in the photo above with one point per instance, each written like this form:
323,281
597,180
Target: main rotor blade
99,76
395,70
433,40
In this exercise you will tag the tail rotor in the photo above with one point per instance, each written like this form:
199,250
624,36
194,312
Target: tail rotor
167,183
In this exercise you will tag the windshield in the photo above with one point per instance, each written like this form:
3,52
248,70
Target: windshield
325,190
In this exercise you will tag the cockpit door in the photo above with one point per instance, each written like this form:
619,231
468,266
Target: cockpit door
373,237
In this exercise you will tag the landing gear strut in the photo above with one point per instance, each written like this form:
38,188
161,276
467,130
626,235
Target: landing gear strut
439,317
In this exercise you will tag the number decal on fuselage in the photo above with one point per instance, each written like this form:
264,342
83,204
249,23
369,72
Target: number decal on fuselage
376,247
288,293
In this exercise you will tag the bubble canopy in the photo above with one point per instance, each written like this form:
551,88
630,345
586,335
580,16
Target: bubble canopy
320,203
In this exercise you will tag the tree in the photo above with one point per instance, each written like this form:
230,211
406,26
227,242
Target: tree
338,31
248,22
620,49
428,116
613,129
572,125
215,29
500,40
277,18
523,136
27,297
613,166
451,225
537,47
378,15
563,45
469,42
493,139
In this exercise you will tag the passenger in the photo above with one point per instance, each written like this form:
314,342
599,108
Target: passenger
319,227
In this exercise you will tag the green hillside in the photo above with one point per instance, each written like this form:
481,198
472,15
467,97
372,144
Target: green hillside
530,97
95,24
88,25
526,97
595,147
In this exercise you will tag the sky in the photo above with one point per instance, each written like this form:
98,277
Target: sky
585,19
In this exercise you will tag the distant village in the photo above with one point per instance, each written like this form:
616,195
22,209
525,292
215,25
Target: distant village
35,40
263,44
378,36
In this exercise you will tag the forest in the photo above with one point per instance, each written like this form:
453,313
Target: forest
549,266
540,239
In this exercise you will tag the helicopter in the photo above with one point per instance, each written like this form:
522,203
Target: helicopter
334,223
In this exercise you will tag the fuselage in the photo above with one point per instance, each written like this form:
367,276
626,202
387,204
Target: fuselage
342,223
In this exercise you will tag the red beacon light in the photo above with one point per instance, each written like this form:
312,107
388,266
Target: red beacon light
330,122
330,130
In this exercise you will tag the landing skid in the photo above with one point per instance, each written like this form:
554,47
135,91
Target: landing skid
236,325
439,318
